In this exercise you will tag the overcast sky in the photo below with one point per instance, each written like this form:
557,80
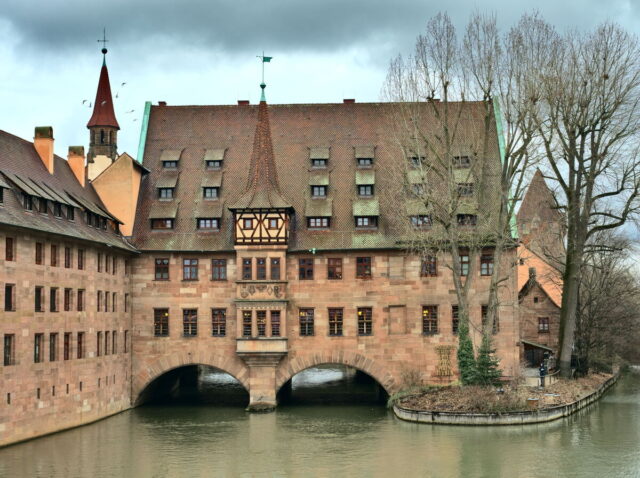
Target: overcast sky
204,52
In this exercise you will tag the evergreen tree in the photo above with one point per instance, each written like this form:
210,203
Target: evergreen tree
466,359
487,371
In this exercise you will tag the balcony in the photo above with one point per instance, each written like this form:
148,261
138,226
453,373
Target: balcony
262,351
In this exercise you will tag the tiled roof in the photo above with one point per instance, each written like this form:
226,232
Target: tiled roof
22,170
300,132
103,113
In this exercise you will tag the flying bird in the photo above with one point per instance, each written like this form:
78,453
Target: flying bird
130,111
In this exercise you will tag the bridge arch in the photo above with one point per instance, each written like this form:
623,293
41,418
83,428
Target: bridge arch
376,370
154,370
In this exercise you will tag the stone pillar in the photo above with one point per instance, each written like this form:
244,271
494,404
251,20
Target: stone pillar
262,383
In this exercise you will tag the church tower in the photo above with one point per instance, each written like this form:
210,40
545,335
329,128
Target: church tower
103,127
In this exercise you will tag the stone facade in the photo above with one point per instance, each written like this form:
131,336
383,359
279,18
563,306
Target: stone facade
539,323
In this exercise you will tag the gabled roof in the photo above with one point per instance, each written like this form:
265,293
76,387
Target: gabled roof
546,277
103,113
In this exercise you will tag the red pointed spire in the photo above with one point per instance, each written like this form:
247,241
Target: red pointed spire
103,114
262,190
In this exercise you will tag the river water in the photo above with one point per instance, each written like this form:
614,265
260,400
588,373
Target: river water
200,438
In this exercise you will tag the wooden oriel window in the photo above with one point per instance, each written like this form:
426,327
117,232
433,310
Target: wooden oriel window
246,323
275,323
9,352
464,263
10,251
486,264
189,269
67,258
80,350
39,299
218,322
543,325
335,322
190,322
218,269
275,268
261,322
80,300
9,297
334,268
429,266
246,268
39,253
81,259
305,268
261,268
161,322
363,267
306,322
53,299
455,320
161,268
38,348
365,321
429,319
66,346
54,255
53,347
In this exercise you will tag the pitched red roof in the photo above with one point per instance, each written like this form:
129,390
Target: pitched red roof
103,113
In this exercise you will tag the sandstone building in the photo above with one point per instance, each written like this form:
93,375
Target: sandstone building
251,238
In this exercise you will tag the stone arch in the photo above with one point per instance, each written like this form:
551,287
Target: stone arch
150,371
293,365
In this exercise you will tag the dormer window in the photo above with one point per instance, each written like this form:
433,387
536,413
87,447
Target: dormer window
416,161
318,222
366,222
465,189
467,219
319,191
213,164
170,164
161,223
461,162
319,157
210,192
211,224
165,193
213,159
417,189
365,162
365,190
71,213
57,209
42,205
422,221
27,202
319,163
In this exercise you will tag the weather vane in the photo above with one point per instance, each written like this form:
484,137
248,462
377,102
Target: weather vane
104,41
265,59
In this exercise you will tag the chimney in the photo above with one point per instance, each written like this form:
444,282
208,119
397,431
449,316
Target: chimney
348,101
43,142
243,102
532,273
75,158
162,103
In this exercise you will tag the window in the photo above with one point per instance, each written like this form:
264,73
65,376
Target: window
210,193
486,264
275,268
467,219
365,321
261,268
161,223
247,223
246,323
67,299
365,162
71,213
53,347
53,299
273,223
484,311
27,202
190,269
126,302
366,222
165,193
464,263
39,299
318,191
429,319
114,302
190,322
429,266
80,300
99,301
161,322
363,267
54,255
455,321
365,190
126,341
246,269
213,164
465,189
334,268
114,342
335,322
114,267
461,162
275,323
210,223
305,269
318,163
169,164
80,351
318,222
107,263
39,253
107,335
57,209
162,269
261,322
107,297
421,221
98,344
80,259
218,269
306,322
416,161
9,297
10,250
218,322
67,257
9,349
66,350
543,325
38,348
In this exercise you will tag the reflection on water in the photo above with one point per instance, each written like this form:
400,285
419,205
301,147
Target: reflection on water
340,440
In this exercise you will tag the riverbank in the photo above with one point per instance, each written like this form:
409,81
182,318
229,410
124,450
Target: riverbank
516,404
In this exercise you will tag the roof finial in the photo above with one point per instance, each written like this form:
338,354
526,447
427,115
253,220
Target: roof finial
104,42
263,85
